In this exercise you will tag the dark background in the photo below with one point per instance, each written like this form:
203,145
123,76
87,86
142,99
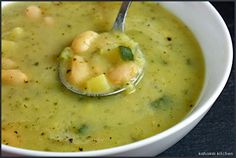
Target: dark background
216,131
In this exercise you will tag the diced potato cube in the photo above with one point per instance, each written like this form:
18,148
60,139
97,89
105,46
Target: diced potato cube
98,84
8,46
113,56
99,64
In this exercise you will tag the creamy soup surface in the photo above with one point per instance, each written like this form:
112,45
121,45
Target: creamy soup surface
41,114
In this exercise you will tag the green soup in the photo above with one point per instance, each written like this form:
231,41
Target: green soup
42,114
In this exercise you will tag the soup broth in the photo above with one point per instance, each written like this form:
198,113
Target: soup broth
41,114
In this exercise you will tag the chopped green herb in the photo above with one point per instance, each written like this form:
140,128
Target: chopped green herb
71,140
164,62
26,98
46,149
66,53
36,63
126,53
88,137
169,38
67,71
83,128
161,102
117,36
57,3
188,61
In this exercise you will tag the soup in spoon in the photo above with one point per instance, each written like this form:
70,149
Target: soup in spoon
101,63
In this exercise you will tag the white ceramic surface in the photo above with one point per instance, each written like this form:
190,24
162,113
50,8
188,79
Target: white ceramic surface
214,38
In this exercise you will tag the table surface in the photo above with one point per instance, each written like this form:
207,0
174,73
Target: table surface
216,131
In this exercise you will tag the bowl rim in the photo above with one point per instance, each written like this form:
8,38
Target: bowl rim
175,128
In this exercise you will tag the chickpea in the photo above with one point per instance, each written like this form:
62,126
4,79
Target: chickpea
33,12
49,20
13,77
11,137
83,41
16,33
8,46
8,64
80,71
123,73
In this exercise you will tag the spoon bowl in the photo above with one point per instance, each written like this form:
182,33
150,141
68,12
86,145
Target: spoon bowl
118,26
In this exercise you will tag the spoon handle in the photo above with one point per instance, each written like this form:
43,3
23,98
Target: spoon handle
119,24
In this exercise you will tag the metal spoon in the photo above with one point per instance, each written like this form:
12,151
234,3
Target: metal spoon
118,26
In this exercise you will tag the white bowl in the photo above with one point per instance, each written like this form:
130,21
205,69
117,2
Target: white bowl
214,38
